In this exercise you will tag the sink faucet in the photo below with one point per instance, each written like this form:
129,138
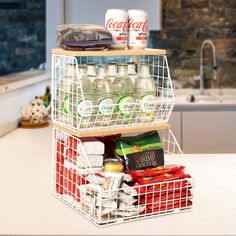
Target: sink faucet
214,67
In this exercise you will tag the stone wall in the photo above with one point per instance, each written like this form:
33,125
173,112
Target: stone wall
186,24
22,35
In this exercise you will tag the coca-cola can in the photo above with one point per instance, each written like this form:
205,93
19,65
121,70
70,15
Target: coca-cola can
138,29
116,21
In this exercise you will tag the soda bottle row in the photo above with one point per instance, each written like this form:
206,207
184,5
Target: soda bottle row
109,97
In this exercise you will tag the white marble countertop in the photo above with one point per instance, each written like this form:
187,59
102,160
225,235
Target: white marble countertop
28,208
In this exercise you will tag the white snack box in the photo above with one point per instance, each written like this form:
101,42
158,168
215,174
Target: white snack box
82,171
83,161
92,147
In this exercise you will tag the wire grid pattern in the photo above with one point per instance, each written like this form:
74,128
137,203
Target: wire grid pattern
75,182
67,94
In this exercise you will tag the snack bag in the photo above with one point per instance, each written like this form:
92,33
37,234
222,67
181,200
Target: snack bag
141,151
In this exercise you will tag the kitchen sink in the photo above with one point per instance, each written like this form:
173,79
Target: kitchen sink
224,96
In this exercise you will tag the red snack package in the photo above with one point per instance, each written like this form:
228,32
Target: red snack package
156,171
152,198
72,143
139,173
71,182
163,178
165,204
166,169
168,207
59,166
160,187
71,155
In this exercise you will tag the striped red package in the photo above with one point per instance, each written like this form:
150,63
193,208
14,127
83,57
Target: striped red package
59,166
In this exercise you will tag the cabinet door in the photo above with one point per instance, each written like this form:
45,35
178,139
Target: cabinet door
209,132
175,121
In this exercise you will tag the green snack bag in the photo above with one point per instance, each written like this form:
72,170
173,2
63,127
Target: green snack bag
141,151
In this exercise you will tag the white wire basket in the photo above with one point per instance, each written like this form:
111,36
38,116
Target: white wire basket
66,111
75,183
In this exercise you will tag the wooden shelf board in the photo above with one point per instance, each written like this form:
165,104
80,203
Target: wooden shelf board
147,51
113,131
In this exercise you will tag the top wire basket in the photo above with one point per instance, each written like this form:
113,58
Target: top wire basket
72,109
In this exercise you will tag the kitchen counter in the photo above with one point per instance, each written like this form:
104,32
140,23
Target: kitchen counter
210,100
27,206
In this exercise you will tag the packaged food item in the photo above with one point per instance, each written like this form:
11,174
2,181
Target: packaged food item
90,146
95,179
71,183
128,190
155,171
156,197
141,151
83,36
82,161
59,166
113,165
131,211
127,178
166,169
163,206
170,186
163,178
126,198
101,211
112,182
81,171
90,189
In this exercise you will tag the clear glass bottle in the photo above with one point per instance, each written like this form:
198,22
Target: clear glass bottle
103,98
91,72
145,92
123,91
64,94
82,99
112,71
132,72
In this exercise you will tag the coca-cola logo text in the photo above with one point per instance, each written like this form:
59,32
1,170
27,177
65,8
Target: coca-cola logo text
137,25
116,25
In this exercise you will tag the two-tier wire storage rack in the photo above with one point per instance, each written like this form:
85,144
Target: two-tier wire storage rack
70,184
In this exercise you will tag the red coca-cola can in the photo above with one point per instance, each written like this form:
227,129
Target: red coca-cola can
138,29
116,22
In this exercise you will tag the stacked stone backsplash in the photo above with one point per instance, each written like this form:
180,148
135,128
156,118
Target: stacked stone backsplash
22,35
185,25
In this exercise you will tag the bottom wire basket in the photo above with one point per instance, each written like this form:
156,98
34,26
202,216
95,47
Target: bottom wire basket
77,184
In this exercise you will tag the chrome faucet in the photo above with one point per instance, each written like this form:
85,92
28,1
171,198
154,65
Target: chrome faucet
214,67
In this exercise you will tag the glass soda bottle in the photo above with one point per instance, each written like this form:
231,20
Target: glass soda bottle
82,99
145,93
91,72
112,71
132,72
123,92
64,94
103,98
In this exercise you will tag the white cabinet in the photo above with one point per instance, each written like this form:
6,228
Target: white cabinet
209,132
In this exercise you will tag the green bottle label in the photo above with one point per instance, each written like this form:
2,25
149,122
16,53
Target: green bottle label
147,103
126,105
84,108
105,106
66,104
